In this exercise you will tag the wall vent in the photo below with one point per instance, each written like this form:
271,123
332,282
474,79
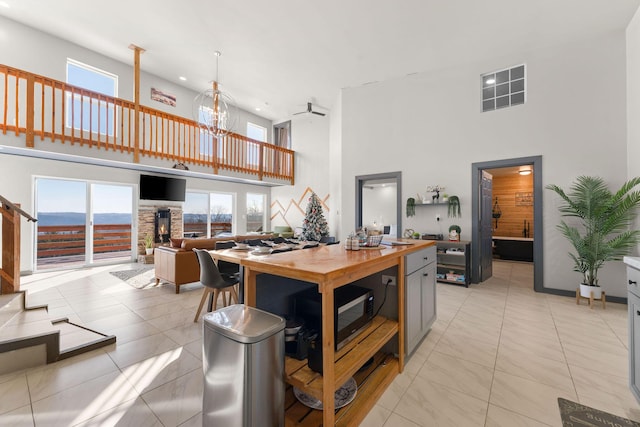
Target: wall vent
503,88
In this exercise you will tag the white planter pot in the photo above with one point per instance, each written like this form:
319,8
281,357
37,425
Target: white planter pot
149,251
585,291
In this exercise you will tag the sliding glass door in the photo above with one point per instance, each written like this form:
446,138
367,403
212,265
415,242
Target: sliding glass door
81,223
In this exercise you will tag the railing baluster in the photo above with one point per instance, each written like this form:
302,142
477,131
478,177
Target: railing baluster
17,116
6,101
30,110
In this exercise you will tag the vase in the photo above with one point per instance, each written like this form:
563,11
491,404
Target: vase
585,291
148,251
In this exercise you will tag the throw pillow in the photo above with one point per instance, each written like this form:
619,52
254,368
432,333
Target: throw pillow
176,243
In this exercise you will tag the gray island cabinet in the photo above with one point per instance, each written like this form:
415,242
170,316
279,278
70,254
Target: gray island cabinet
633,302
420,285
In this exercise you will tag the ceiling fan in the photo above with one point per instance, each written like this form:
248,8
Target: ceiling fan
310,110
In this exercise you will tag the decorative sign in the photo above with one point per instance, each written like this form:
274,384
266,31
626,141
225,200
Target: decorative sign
524,199
165,98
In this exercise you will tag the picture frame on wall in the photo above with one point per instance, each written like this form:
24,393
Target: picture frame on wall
163,97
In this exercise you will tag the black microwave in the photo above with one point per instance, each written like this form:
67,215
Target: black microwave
353,310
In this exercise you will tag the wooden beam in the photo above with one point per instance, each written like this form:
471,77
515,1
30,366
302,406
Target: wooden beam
136,100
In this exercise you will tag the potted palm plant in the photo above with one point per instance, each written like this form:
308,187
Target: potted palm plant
600,230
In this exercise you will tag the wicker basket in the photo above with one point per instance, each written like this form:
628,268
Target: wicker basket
372,241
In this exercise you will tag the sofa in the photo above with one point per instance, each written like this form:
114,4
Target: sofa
283,231
177,264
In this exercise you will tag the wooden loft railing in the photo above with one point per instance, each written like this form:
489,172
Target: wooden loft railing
47,109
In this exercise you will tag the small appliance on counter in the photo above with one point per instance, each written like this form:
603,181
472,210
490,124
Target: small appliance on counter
297,338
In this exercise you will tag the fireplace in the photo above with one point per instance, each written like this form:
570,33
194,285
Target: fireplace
162,230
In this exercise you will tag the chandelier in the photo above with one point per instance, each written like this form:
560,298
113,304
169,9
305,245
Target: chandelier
214,110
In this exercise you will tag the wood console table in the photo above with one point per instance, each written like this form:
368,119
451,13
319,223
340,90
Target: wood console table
331,267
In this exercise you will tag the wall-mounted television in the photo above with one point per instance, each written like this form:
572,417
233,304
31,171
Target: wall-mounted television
153,187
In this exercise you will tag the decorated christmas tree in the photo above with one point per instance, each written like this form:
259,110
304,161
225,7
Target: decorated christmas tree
314,225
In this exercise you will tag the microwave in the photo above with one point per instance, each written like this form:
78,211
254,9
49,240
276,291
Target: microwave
353,310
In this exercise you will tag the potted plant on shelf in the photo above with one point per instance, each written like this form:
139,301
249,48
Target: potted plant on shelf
454,233
148,244
601,230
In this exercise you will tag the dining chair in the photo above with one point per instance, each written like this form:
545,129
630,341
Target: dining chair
227,268
214,283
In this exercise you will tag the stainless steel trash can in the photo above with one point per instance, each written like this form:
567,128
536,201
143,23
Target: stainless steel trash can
243,363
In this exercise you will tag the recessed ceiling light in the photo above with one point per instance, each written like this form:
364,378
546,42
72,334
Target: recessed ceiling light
5,4
184,79
490,81
525,172
258,108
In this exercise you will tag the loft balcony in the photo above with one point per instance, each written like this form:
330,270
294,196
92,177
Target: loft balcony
48,115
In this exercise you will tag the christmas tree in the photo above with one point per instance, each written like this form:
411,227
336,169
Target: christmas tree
314,225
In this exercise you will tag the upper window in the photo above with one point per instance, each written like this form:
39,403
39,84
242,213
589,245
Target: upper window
85,112
256,132
503,88
253,150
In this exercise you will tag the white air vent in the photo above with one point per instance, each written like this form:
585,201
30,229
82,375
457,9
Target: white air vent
503,88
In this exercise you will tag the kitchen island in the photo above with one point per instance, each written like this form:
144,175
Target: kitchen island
330,267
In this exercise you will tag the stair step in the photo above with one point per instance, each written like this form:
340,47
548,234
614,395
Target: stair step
76,339
29,337
10,305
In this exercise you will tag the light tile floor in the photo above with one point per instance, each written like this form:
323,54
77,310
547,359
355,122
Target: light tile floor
498,355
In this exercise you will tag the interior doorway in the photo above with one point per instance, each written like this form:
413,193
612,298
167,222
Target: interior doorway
379,202
518,201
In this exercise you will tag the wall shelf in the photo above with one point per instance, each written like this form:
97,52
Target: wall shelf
454,262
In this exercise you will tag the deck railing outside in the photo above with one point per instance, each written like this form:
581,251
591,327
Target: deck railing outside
47,109
65,240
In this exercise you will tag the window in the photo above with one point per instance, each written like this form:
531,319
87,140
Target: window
503,88
255,212
258,133
86,113
207,214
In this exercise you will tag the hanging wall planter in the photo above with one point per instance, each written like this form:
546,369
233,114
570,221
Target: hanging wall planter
411,207
453,207
496,212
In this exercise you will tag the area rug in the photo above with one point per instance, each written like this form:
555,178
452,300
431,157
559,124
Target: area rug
139,278
575,414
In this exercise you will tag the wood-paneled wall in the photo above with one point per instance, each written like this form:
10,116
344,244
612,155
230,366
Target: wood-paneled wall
512,191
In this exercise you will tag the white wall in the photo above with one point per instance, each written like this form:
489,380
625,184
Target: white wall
633,101
430,127
310,141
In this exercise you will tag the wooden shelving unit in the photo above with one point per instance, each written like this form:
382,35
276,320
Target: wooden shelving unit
348,360
458,263
372,382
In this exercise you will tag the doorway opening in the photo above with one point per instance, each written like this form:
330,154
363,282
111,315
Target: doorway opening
513,213
379,202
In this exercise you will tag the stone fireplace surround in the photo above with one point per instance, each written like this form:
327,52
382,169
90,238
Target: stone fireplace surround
146,223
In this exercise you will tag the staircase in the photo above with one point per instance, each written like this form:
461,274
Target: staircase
30,337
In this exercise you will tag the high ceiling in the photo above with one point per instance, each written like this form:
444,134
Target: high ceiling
279,54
